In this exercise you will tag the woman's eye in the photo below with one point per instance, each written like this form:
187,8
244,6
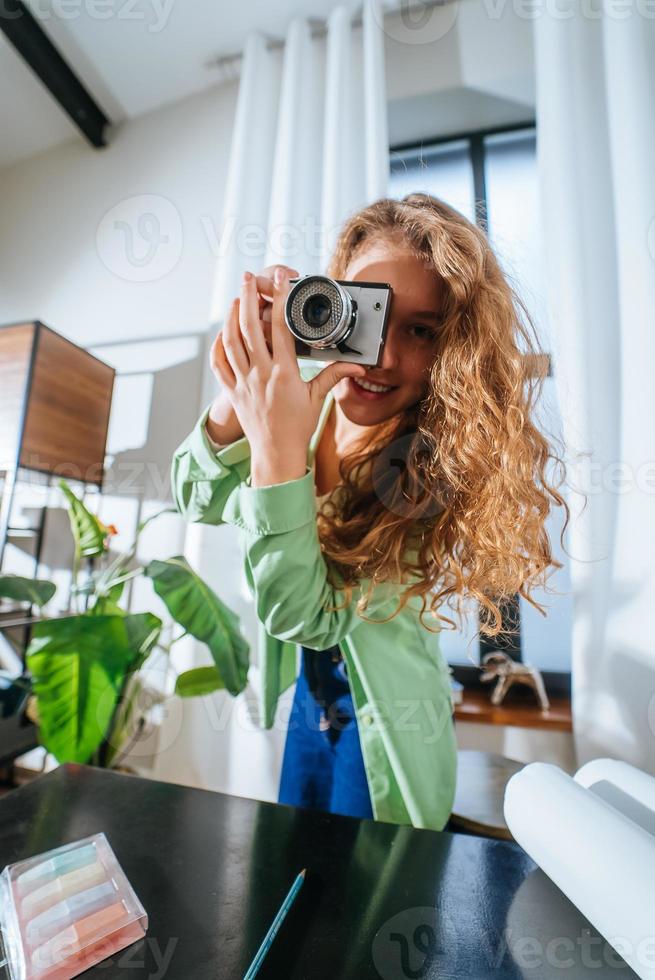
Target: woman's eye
423,332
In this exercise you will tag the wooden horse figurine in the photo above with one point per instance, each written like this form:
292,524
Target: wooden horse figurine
508,672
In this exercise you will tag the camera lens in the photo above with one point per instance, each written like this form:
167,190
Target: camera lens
317,310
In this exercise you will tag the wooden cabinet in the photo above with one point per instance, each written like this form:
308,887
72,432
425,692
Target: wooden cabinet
55,399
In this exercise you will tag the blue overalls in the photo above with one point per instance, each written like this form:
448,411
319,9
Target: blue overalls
323,767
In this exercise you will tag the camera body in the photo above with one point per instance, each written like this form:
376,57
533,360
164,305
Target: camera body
337,320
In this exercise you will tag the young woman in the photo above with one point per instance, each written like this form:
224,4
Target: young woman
431,485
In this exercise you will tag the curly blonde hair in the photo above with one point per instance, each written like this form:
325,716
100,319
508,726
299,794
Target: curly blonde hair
463,517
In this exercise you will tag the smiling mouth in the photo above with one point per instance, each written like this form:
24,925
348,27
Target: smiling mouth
370,390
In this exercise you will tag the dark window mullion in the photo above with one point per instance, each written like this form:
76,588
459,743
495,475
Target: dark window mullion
477,155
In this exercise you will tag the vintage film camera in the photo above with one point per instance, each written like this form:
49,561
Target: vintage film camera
335,320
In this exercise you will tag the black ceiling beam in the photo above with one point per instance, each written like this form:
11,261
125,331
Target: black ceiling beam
35,47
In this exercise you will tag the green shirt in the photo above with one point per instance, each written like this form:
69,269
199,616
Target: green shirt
399,681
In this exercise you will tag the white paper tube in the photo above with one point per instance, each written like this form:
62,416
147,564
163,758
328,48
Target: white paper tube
602,861
624,786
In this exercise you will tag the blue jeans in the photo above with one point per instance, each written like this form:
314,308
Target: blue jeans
323,767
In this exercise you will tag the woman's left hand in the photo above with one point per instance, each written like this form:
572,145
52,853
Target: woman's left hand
278,411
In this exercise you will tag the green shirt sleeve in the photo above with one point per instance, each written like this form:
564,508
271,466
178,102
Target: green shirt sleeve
202,480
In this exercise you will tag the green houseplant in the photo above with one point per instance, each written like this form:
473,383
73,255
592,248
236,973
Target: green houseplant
86,668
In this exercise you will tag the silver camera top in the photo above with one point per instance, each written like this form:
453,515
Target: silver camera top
338,320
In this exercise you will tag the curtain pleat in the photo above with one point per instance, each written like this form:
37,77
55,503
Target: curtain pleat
295,198
376,132
337,127
247,191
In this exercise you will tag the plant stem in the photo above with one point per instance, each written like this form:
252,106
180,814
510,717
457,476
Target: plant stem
181,636
126,577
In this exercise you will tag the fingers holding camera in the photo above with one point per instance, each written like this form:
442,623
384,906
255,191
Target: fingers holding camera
266,293
265,284
284,348
249,322
330,375
233,342
220,366
247,335
222,424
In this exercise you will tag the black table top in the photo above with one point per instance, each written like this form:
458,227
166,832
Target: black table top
380,901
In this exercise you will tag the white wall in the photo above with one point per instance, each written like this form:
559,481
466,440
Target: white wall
56,207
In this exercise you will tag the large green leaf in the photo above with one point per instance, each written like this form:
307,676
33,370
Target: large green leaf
78,665
194,606
36,590
198,681
88,530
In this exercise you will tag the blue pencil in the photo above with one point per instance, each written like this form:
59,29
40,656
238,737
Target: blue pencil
253,969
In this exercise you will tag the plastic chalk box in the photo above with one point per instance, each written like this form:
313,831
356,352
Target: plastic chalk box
63,911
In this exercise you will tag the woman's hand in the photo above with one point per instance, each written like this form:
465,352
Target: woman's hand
222,424
277,410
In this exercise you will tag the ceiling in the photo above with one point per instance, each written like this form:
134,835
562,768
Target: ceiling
146,54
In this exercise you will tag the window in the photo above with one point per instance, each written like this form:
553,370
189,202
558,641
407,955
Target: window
491,177
443,170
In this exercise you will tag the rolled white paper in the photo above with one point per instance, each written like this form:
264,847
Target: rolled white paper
624,786
602,861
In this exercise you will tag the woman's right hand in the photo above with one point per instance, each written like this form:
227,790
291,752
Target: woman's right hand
222,424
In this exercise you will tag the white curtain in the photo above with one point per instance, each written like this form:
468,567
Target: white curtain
596,155
309,146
